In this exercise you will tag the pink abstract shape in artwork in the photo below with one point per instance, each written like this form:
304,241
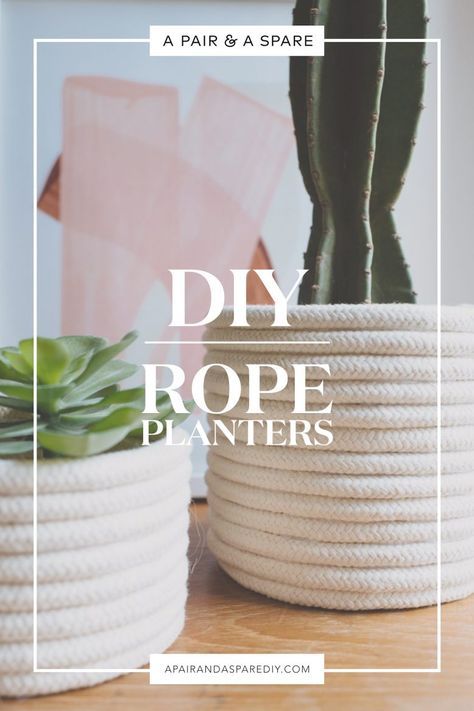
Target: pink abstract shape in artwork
141,195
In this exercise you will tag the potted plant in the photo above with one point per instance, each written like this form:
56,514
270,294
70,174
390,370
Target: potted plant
111,518
352,525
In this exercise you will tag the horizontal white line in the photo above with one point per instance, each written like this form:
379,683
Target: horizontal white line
423,670
240,343
44,40
386,40
91,671
145,40
379,670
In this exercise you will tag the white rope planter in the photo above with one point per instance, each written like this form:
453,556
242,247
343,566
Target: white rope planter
88,619
340,509
109,470
343,342
348,367
87,650
66,535
328,577
359,391
353,555
93,561
90,591
344,600
340,485
329,531
367,440
28,684
82,504
358,416
360,317
112,567
352,525
320,461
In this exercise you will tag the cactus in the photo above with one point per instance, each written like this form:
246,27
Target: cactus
355,113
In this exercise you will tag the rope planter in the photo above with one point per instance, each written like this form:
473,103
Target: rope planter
357,317
340,509
351,525
112,567
340,485
322,530
344,342
360,392
354,555
372,440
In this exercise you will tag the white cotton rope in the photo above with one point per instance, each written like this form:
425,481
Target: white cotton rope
341,342
82,504
66,535
352,525
95,560
305,459
86,650
353,416
358,555
373,317
340,485
327,577
353,440
112,566
344,600
28,684
352,367
325,507
356,392
109,470
329,531
88,619
91,591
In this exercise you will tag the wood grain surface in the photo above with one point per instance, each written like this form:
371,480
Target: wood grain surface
223,617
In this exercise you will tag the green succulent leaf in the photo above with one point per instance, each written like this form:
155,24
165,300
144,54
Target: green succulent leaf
53,358
16,429
16,361
108,375
104,355
82,345
82,443
122,417
21,391
7,371
16,404
81,410
9,449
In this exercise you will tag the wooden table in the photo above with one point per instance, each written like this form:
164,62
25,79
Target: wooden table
223,617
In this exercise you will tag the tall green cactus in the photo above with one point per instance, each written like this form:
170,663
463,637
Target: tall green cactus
355,112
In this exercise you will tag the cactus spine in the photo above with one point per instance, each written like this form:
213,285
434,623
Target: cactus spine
355,112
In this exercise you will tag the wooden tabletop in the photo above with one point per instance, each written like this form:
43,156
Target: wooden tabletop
224,617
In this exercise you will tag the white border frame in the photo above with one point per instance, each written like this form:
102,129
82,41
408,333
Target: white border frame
36,669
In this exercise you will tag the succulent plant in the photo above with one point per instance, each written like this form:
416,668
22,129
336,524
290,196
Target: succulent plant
355,113
81,409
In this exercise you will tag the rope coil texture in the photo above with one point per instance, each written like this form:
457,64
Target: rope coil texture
351,526
112,566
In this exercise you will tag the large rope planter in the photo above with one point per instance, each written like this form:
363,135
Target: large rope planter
352,525
111,567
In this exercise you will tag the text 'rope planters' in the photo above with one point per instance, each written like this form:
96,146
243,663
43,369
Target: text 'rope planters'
112,566
353,525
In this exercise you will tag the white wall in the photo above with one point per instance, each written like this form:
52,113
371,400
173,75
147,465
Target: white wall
285,230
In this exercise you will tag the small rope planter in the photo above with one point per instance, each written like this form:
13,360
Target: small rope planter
112,566
353,525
